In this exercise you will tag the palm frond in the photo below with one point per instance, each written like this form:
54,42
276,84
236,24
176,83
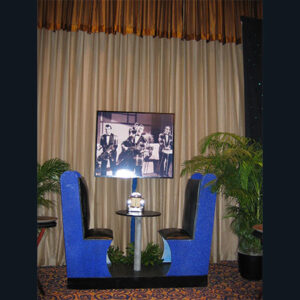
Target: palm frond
48,175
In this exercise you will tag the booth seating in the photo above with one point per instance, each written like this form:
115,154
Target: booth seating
85,248
188,248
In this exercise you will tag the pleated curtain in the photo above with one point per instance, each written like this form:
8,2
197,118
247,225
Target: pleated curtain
80,73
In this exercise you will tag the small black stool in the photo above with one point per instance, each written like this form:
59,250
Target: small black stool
44,222
258,232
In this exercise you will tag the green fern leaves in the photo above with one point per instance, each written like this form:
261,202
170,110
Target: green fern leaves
237,162
48,175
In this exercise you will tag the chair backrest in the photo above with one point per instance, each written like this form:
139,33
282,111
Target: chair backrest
190,206
84,257
84,201
190,257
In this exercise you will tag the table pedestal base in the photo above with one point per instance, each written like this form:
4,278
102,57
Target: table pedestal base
137,244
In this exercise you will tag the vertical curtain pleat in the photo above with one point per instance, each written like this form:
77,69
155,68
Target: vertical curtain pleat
80,73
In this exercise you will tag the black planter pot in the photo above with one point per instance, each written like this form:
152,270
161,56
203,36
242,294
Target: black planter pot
250,266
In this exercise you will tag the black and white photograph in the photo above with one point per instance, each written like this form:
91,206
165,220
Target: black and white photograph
134,145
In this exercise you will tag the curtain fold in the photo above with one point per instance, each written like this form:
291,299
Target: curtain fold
185,19
80,73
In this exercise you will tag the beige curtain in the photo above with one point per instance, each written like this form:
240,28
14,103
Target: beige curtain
80,73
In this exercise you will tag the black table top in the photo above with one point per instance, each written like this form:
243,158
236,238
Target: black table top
46,222
145,213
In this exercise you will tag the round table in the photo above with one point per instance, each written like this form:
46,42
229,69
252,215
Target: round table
258,231
138,232
258,227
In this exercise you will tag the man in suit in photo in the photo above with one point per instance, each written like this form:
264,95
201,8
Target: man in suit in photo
140,142
109,145
165,140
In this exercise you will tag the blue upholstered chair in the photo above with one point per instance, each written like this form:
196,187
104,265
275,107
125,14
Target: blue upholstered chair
188,248
85,248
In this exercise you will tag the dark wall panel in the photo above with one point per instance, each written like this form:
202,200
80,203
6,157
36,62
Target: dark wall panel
252,52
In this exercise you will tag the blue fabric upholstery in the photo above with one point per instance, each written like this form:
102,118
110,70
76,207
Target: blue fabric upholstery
85,248
190,245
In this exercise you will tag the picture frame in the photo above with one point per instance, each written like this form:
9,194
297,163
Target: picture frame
134,144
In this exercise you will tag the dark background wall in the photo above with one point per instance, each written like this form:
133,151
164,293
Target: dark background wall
252,52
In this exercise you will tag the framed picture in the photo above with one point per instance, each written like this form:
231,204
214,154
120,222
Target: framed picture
134,144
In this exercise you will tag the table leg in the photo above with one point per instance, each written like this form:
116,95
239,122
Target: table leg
40,235
41,288
137,244
38,241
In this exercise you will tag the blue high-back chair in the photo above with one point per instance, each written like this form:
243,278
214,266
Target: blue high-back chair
85,248
188,248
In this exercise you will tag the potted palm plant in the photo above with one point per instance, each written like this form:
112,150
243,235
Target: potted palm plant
48,175
237,162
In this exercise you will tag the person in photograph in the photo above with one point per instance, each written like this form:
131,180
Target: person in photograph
135,126
165,140
109,145
140,143
126,157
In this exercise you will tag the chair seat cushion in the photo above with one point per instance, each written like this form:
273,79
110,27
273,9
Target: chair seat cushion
175,234
99,233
